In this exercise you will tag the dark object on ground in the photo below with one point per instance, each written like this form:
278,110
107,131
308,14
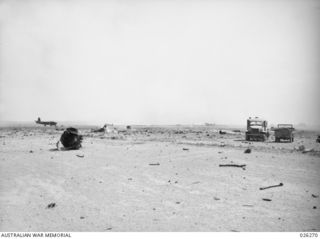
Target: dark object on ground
128,127
80,156
314,207
81,217
284,131
185,149
154,164
273,186
30,151
71,139
109,228
51,205
243,166
315,196
266,199
318,139
222,132
257,129
247,151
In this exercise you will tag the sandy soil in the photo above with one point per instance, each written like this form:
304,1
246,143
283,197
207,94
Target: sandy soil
113,187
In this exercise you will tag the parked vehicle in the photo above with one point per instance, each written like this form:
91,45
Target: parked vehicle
257,129
285,132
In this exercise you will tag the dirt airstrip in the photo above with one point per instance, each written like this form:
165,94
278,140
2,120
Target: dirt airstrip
157,179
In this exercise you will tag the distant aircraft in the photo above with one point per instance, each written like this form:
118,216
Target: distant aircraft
101,130
45,123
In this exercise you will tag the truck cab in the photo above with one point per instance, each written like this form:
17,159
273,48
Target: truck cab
257,129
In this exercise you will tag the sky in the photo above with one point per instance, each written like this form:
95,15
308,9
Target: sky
160,61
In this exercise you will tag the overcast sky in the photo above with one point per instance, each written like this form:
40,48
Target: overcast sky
160,62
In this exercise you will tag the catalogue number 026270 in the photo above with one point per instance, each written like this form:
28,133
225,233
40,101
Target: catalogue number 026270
309,234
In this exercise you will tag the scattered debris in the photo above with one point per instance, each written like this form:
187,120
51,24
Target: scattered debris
266,199
273,186
247,151
185,149
314,196
243,166
154,164
51,205
80,156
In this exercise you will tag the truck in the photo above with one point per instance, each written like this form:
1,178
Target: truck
257,129
285,132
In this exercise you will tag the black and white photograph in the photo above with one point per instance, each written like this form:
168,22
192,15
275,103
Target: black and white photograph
159,116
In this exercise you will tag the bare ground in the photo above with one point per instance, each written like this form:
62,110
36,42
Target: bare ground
157,179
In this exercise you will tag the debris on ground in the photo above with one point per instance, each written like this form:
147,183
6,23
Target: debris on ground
300,148
222,132
81,217
266,199
109,228
247,151
314,207
51,205
318,139
128,127
154,164
185,149
70,139
273,186
243,166
307,151
80,155
314,196
217,199
31,151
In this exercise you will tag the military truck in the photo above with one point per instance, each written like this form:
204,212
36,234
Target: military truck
284,131
257,129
